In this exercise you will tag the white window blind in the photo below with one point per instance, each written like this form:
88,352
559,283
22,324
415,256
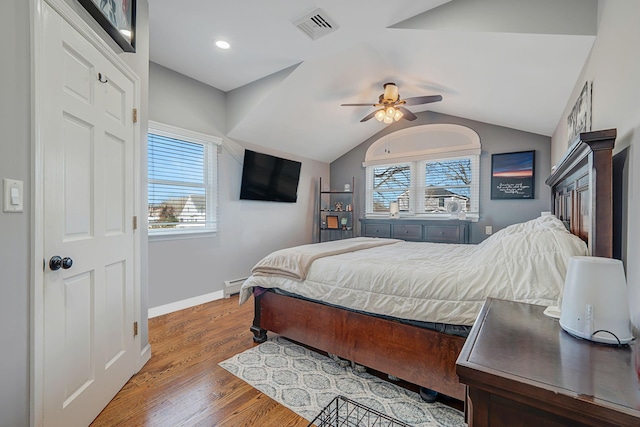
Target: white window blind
423,187
448,180
182,181
388,184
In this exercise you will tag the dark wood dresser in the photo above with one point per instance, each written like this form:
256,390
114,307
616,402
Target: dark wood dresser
522,369
416,230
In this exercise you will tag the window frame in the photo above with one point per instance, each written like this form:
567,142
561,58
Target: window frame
370,179
210,180
417,180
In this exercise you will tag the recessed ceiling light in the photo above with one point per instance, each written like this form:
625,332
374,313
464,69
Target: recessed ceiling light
223,44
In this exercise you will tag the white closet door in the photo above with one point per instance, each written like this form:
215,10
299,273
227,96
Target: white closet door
88,138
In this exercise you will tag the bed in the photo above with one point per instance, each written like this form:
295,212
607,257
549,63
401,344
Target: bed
423,349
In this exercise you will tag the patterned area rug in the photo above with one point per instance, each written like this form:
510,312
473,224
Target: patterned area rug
305,382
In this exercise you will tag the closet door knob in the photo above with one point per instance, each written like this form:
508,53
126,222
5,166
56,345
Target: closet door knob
57,262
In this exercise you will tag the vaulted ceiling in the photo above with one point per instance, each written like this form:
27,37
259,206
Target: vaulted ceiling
512,63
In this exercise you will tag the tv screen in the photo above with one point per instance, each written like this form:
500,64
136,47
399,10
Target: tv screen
269,178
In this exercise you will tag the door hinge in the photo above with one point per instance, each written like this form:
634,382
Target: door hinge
135,115
135,222
135,329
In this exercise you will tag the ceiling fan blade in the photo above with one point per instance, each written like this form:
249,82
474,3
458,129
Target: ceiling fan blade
408,115
422,99
357,105
368,117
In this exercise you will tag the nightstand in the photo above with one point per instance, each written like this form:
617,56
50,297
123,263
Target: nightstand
522,369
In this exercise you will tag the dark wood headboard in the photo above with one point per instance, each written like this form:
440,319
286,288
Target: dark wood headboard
581,190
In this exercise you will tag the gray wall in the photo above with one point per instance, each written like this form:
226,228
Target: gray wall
614,68
15,162
190,267
494,139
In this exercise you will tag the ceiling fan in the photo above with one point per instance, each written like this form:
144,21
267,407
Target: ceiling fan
392,107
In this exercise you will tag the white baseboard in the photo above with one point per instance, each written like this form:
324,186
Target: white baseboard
185,303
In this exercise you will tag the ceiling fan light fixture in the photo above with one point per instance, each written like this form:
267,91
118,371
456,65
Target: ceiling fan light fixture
390,111
392,108
390,92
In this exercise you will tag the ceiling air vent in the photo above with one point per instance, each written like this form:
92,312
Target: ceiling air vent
316,24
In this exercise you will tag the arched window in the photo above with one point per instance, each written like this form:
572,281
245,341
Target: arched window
427,169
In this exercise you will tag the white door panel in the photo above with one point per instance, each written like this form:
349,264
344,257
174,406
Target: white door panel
115,191
88,209
77,146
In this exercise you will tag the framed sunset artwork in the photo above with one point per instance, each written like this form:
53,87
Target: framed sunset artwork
513,175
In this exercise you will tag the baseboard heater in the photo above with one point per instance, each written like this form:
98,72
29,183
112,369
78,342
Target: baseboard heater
233,286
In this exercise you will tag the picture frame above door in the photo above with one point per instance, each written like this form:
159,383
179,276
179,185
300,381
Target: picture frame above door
117,17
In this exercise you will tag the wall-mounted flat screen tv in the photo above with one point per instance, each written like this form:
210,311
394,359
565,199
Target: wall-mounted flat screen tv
269,178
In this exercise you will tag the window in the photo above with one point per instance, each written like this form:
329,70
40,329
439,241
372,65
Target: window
182,194
391,183
424,170
445,181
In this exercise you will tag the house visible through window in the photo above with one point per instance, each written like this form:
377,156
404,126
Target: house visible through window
425,169
182,180
445,181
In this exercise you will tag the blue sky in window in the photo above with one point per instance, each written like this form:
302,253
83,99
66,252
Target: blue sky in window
180,162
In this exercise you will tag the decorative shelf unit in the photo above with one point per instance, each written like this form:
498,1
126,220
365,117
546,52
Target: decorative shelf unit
335,213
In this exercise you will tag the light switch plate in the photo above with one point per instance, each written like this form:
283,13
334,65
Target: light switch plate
15,203
488,230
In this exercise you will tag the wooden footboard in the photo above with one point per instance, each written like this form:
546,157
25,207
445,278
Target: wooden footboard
417,355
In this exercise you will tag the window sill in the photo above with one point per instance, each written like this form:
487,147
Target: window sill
160,236
432,217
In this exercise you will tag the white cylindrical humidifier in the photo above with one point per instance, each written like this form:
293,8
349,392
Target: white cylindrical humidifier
595,302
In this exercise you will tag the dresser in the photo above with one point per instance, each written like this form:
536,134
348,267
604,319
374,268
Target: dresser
522,369
415,230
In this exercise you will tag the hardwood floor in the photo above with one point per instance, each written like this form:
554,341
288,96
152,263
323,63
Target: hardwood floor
182,384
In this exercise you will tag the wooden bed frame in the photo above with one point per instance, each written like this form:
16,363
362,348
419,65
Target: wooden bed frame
581,189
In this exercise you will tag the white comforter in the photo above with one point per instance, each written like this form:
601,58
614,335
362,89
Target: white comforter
437,282
294,263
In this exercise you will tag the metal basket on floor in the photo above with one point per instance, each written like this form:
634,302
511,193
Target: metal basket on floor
343,412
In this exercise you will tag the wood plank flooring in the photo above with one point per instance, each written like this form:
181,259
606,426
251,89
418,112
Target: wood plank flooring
182,384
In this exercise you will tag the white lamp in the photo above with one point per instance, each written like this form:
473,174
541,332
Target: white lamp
594,302
394,212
